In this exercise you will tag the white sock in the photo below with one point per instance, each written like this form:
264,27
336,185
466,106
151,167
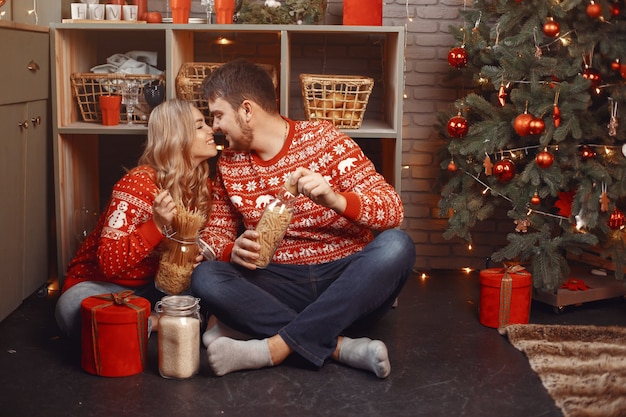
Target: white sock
216,329
228,355
365,353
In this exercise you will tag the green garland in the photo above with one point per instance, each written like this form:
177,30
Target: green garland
290,12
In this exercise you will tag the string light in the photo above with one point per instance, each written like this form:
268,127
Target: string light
33,11
406,6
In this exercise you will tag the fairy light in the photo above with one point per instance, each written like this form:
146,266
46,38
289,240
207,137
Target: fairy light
33,11
469,247
467,269
406,7
423,276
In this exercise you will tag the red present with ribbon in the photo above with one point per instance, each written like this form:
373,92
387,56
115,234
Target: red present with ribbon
114,334
505,296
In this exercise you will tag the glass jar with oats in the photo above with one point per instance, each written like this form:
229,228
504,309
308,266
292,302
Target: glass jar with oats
179,336
273,224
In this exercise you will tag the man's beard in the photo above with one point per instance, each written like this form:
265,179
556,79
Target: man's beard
245,140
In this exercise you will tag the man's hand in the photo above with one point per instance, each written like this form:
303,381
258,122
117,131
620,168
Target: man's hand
314,186
246,249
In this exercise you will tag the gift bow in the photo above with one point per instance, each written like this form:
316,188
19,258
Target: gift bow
506,291
119,299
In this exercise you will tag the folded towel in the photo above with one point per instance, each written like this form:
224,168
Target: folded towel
133,62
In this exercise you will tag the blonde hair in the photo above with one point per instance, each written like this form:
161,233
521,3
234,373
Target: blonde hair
171,131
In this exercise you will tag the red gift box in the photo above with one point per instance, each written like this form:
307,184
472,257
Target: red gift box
363,12
505,296
114,334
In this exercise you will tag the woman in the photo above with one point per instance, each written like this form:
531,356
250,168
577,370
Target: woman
122,252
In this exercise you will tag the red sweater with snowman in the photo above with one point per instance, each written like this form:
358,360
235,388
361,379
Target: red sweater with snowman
245,184
122,248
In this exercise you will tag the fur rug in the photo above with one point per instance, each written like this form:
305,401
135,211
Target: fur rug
583,368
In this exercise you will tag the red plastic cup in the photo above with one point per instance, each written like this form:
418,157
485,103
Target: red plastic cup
224,10
110,107
180,10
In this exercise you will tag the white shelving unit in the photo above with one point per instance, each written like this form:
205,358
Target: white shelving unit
375,51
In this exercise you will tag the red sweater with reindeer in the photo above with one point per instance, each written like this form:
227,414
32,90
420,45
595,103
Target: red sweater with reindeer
245,184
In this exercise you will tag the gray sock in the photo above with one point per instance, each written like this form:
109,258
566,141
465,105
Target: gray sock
228,355
216,329
365,353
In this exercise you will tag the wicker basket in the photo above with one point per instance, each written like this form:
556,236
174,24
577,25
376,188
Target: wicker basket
342,99
189,83
88,87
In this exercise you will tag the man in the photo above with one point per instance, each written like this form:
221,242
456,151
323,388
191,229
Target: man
329,271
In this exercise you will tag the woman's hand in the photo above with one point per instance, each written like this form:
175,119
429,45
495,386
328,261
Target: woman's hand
246,249
163,210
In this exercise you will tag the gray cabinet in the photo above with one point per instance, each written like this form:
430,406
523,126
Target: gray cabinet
24,117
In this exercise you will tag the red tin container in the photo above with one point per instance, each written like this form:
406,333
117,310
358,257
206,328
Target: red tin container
114,334
505,296
363,12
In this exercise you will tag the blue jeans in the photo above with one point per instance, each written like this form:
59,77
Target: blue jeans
67,311
309,306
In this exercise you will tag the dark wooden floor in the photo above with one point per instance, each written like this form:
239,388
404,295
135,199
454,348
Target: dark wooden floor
444,363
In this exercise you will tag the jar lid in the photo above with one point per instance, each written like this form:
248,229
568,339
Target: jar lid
178,303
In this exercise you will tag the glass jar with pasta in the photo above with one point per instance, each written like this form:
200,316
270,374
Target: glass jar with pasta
273,225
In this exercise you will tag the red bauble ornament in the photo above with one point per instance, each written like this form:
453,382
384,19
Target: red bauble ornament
615,10
452,166
458,126
536,126
556,115
622,70
615,65
616,220
551,28
521,124
592,75
457,57
544,159
587,153
594,10
535,199
504,170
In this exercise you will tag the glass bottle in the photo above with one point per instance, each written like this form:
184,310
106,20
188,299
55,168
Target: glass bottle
273,225
179,336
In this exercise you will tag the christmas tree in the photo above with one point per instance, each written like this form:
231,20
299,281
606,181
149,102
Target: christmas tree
538,130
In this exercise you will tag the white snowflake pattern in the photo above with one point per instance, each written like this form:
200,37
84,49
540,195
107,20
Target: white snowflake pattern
325,160
339,149
251,186
237,186
274,181
314,167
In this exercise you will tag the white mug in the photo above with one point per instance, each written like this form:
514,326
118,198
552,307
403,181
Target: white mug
114,11
95,11
79,11
129,12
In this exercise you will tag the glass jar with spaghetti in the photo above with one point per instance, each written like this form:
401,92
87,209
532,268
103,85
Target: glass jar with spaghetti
273,225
